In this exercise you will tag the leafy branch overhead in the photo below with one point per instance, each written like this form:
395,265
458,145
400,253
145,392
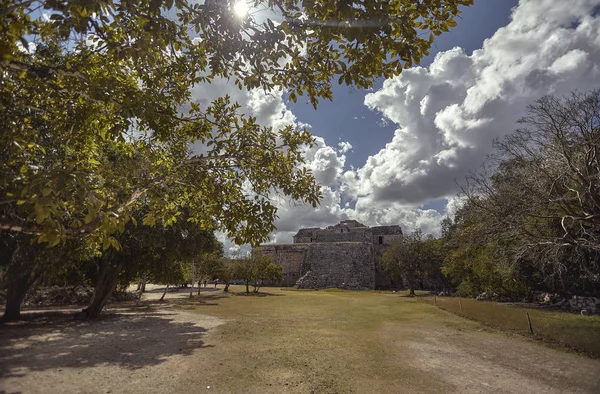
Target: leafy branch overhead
98,118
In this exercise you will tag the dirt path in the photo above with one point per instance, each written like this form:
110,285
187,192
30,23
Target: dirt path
128,351
297,342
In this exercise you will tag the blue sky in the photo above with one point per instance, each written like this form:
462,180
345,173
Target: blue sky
414,136
346,117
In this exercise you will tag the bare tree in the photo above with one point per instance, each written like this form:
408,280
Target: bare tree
541,191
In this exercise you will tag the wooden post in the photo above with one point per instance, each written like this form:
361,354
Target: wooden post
435,299
460,304
530,326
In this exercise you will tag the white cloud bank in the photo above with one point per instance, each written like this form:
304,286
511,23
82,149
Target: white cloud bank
449,113
447,116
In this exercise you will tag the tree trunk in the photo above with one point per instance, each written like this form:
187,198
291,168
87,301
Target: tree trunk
412,291
17,289
247,290
139,298
21,275
105,286
142,284
192,287
164,293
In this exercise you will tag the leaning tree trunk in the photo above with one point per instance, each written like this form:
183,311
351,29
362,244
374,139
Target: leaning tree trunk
226,289
105,285
164,293
22,274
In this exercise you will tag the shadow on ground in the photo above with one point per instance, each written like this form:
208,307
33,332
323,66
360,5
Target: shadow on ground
259,294
131,338
182,290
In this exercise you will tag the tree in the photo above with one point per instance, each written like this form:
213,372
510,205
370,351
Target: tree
207,265
263,270
243,271
434,251
164,254
539,196
227,272
411,259
105,84
25,263
477,256
255,270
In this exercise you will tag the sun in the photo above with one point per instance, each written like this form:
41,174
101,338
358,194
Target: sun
240,9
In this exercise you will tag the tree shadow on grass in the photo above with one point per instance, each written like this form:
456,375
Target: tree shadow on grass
194,302
183,290
259,294
132,339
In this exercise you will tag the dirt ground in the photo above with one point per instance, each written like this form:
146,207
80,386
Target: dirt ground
283,341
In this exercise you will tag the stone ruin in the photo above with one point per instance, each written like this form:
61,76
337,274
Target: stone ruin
347,255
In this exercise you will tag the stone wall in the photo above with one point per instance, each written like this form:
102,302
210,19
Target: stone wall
346,265
382,279
305,235
383,236
386,230
349,231
346,224
347,255
356,234
290,257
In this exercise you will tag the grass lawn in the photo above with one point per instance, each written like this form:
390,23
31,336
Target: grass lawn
581,333
333,341
281,341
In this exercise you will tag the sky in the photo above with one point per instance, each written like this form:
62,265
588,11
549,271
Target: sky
394,154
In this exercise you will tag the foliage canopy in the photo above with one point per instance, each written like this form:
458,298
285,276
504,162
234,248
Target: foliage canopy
532,214
98,118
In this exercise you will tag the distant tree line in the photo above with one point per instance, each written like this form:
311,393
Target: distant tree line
531,215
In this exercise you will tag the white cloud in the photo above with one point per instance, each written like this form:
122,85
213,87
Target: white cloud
345,146
324,162
293,216
449,113
409,218
446,115
230,249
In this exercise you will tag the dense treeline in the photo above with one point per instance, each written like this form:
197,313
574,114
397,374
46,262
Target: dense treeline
178,254
530,219
159,254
